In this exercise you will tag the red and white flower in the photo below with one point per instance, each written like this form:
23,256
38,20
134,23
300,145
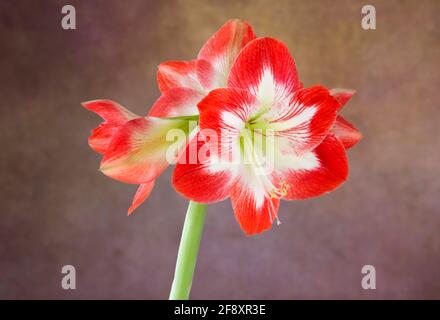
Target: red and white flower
134,147
265,95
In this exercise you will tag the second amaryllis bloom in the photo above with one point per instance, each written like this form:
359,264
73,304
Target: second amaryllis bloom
265,99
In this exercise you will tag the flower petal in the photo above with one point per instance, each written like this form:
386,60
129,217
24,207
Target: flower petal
176,102
316,172
265,68
226,109
110,111
114,115
101,136
346,132
142,194
200,176
224,46
194,74
342,95
143,148
305,120
255,212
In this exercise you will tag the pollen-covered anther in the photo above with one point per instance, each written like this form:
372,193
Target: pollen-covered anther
284,188
281,191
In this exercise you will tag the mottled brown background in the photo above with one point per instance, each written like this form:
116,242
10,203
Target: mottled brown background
57,209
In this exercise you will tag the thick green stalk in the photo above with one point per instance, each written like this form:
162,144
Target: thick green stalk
188,250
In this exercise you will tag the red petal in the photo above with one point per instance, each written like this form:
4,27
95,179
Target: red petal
138,151
223,47
195,74
176,102
226,109
110,111
200,179
101,136
346,132
224,113
254,215
316,172
114,115
342,95
265,64
305,120
142,194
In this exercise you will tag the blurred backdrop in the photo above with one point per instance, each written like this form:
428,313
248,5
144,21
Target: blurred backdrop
57,209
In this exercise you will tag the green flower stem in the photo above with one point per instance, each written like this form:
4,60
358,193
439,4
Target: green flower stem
188,250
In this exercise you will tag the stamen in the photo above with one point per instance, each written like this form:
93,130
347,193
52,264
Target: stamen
279,192
263,180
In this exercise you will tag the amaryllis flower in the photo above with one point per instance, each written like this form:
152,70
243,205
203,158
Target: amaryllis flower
264,95
135,148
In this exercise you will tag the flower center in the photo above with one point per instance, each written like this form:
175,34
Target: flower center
257,145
